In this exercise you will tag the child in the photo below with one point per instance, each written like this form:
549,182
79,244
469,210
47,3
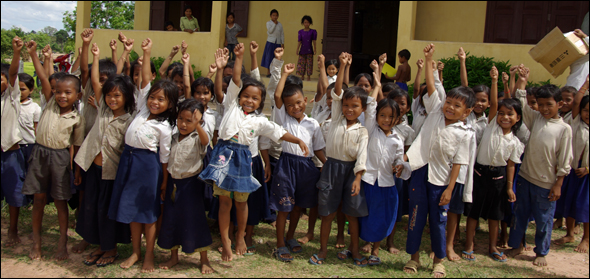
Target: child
328,74
576,198
340,181
275,39
306,48
232,31
499,151
542,172
13,161
443,140
567,94
293,186
240,128
184,222
418,111
29,115
99,157
478,118
404,71
60,127
142,174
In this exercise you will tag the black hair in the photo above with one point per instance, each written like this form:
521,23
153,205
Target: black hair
399,93
247,82
294,80
388,87
308,18
274,11
5,68
107,67
405,54
423,92
136,63
168,23
176,72
56,76
27,80
387,102
356,92
481,88
333,84
203,81
291,90
186,8
365,75
517,107
191,105
230,14
463,93
227,79
548,91
569,89
171,93
501,94
231,64
125,85
532,90
584,102
334,62
73,79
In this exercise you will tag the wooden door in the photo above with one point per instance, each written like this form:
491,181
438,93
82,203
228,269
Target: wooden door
157,15
338,18
240,9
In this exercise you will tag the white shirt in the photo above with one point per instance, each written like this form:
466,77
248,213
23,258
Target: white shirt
10,110
275,32
210,118
578,71
418,111
29,115
186,156
383,152
523,134
346,144
406,133
580,142
274,149
495,148
478,123
89,112
148,134
307,130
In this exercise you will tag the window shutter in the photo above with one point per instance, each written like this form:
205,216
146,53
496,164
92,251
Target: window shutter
157,15
338,17
240,9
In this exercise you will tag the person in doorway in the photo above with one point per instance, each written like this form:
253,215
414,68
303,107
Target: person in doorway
275,39
188,23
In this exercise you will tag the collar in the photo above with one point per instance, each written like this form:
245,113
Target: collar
27,102
123,117
354,126
462,125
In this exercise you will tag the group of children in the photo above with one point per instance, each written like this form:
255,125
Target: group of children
151,159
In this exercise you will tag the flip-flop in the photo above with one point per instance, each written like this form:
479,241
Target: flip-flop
374,258
292,243
492,255
283,251
360,261
93,262
248,249
468,254
317,259
347,254
115,257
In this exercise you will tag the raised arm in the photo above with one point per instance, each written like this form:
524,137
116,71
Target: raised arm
289,68
376,94
95,74
46,86
113,46
127,46
47,64
87,36
237,74
17,46
323,78
493,94
463,69
146,71
428,53
347,70
440,66
253,50
578,98
183,48
382,61
505,83
212,71
167,61
76,64
220,62
420,64
186,60
513,71
344,58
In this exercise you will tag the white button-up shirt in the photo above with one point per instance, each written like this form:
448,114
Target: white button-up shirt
186,156
29,115
478,123
10,111
275,32
307,130
89,112
495,148
580,142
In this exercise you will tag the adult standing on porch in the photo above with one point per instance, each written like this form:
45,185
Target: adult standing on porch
189,23
275,39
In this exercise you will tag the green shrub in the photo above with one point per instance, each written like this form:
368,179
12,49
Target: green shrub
478,71
158,61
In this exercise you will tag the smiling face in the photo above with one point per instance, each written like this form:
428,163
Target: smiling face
549,108
295,106
157,102
507,117
250,99
202,94
365,85
482,102
352,108
66,94
115,100
186,123
331,70
386,119
402,102
188,13
532,102
455,110
24,91
568,101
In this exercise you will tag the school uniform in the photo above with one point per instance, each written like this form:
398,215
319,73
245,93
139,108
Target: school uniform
430,158
136,192
29,115
489,191
576,198
560,204
275,39
210,118
12,162
295,176
479,125
523,135
347,155
419,113
384,152
550,155
407,135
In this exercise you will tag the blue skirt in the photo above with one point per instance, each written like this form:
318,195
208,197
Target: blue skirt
560,205
382,203
269,54
183,221
576,199
13,177
403,197
207,191
136,193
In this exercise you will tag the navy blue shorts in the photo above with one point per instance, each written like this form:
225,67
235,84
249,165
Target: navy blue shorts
294,183
13,176
457,205
335,187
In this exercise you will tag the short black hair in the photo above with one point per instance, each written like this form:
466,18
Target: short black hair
227,79
5,68
56,76
569,89
136,63
387,102
363,75
532,90
395,93
291,79
27,80
247,82
125,85
73,79
549,91
176,72
356,92
481,88
308,18
231,64
171,93
191,105
291,90
203,81
168,23
388,87
405,54
229,14
463,93
332,62
584,102
501,94
105,67
274,11
517,106
186,8
333,84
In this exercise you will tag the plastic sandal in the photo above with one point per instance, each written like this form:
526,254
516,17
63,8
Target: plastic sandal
492,255
283,251
292,243
317,260
467,256
360,261
96,258
413,266
375,259
439,268
115,257
253,247
347,254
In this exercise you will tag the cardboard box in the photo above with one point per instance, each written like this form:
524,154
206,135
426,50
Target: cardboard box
556,51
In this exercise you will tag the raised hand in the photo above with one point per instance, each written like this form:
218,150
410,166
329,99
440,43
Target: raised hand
289,68
140,60
374,65
429,51
122,37
253,47
376,80
494,73
212,68
514,69
197,116
349,62
31,47
128,45
420,63
505,77
279,51
238,50
321,60
113,44
440,65
185,58
183,47
46,51
87,36
146,45
220,59
343,58
382,59
461,54
523,73
95,51
174,50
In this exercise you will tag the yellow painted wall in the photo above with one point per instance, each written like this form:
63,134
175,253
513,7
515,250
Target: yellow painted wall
453,21
202,45
514,52
290,14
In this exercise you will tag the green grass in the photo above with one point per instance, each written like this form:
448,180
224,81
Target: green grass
29,68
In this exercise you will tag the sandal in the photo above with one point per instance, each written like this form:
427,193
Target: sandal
439,268
376,260
279,252
115,257
346,253
251,248
360,261
95,258
467,256
317,260
292,244
500,255
413,266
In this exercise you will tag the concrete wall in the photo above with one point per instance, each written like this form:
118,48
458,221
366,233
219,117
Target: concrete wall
452,21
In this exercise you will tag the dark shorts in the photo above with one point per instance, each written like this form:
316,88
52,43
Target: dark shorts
49,169
294,183
335,187
13,175
457,205
489,194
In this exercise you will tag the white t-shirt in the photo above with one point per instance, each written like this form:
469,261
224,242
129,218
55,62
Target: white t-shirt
495,148
307,130
29,115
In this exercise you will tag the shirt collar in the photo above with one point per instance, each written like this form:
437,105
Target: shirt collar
27,102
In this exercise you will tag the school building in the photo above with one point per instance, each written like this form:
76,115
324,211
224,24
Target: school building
506,30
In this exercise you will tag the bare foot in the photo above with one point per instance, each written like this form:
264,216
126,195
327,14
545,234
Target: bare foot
540,261
206,267
340,242
528,248
583,247
80,247
274,224
35,253
226,254
12,240
431,255
367,247
241,247
108,257
558,224
169,264
130,261
515,251
452,255
577,229
305,239
564,240
148,264
62,250
393,250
